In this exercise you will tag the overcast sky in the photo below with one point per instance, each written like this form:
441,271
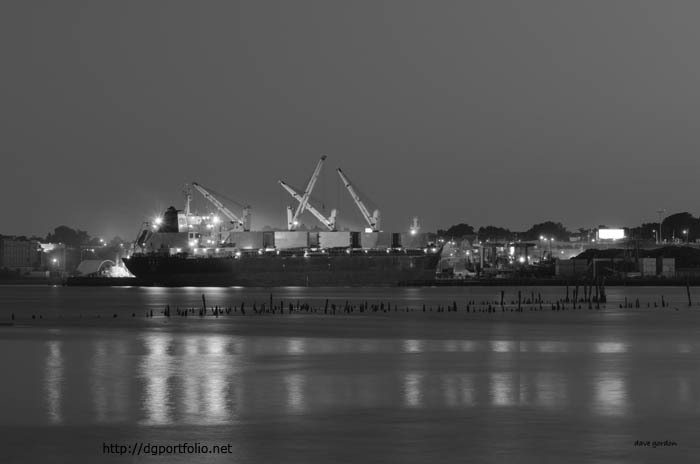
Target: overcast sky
494,112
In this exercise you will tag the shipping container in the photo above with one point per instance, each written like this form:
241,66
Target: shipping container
368,240
355,240
334,239
647,267
268,239
383,239
313,239
291,239
409,240
247,240
668,267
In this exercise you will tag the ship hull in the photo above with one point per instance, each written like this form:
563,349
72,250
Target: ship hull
380,269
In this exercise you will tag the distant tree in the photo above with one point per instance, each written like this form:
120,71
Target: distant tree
116,242
547,229
457,231
674,225
493,233
68,236
647,231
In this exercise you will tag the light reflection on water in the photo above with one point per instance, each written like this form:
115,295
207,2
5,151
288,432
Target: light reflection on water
503,389
296,396
550,390
610,347
605,378
156,369
610,394
160,377
412,346
203,378
54,379
413,389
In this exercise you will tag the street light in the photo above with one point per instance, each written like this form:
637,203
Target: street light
685,232
660,213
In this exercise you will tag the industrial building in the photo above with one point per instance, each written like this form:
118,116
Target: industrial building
19,254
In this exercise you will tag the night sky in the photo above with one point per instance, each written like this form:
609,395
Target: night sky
501,113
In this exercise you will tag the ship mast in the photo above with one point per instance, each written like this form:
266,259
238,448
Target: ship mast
188,199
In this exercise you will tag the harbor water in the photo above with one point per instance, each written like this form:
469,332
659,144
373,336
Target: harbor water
420,375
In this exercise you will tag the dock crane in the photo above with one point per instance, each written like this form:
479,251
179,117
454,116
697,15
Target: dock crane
239,223
293,218
373,219
328,222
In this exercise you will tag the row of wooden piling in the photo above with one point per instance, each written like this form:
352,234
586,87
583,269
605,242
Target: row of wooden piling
593,298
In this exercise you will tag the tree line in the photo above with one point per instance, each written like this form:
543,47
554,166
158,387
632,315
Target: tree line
682,227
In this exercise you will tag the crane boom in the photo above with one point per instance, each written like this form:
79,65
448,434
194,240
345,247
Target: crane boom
292,222
244,223
328,222
372,219
292,219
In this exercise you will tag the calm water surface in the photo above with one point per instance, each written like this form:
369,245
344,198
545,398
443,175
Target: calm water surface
535,386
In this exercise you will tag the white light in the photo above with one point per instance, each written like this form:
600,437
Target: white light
156,220
216,219
238,254
522,259
413,231
54,260
611,234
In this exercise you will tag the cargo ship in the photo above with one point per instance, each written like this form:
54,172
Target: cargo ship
186,249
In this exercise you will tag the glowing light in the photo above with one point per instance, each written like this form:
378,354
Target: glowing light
156,220
611,234
368,230
522,259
